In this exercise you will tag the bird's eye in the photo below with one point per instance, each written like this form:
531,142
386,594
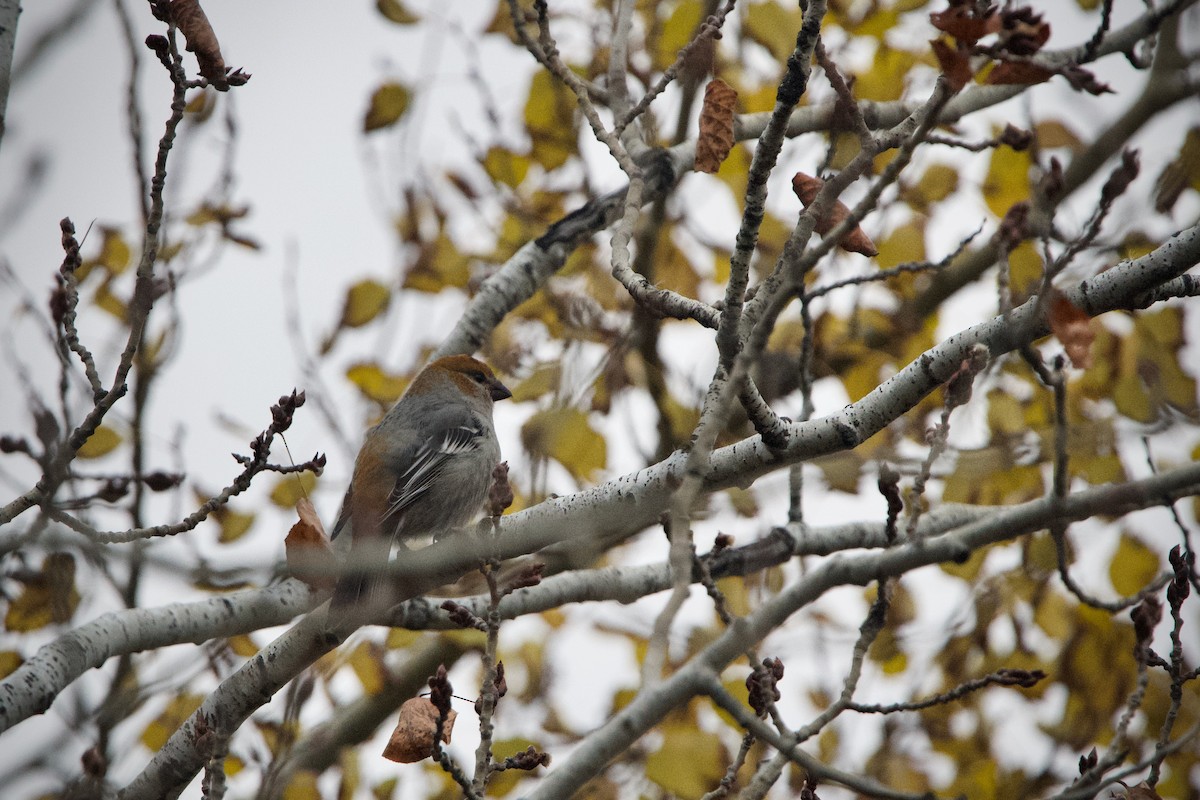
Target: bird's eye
478,377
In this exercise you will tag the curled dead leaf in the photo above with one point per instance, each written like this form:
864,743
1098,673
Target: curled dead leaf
412,738
716,126
855,240
955,63
1073,328
202,40
309,556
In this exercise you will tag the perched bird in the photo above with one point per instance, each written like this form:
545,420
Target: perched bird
425,468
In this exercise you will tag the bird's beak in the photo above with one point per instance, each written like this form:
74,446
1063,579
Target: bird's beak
498,390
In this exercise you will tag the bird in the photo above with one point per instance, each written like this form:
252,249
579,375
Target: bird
424,469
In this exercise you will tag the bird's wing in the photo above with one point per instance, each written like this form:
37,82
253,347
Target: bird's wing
428,462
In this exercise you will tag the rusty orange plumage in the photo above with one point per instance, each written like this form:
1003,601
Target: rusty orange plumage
424,469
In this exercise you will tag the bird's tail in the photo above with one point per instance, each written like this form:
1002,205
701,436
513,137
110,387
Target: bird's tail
360,591
351,591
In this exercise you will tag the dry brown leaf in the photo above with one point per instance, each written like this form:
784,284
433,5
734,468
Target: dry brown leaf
309,556
964,24
955,64
1020,73
1073,328
201,39
716,126
412,739
856,240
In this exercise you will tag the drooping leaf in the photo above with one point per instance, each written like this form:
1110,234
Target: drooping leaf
376,384
887,76
309,555
1134,565
677,31
854,240
387,106
367,662
1073,329
504,166
1007,180
178,709
716,126
689,763
395,11
364,301
439,265
102,442
290,489
550,121
565,435
48,597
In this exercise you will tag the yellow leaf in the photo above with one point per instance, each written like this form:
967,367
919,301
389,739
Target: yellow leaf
1005,415
175,714
114,252
737,598
243,645
233,524
866,372
439,266
1024,269
1130,397
388,104
673,270
502,23
895,665
102,442
542,381
385,790
565,435
841,471
845,147
744,501
682,419
397,12
1052,133
1100,470
1007,180
903,245
201,107
677,31
1135,245
9,661
505,166
290,488
885,79
1133,566
1052,615
737,687
367,663
877,23
302,786
937,183
48,597
550,121
375,384
365,300
107,300
689,763
774,27
398,638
